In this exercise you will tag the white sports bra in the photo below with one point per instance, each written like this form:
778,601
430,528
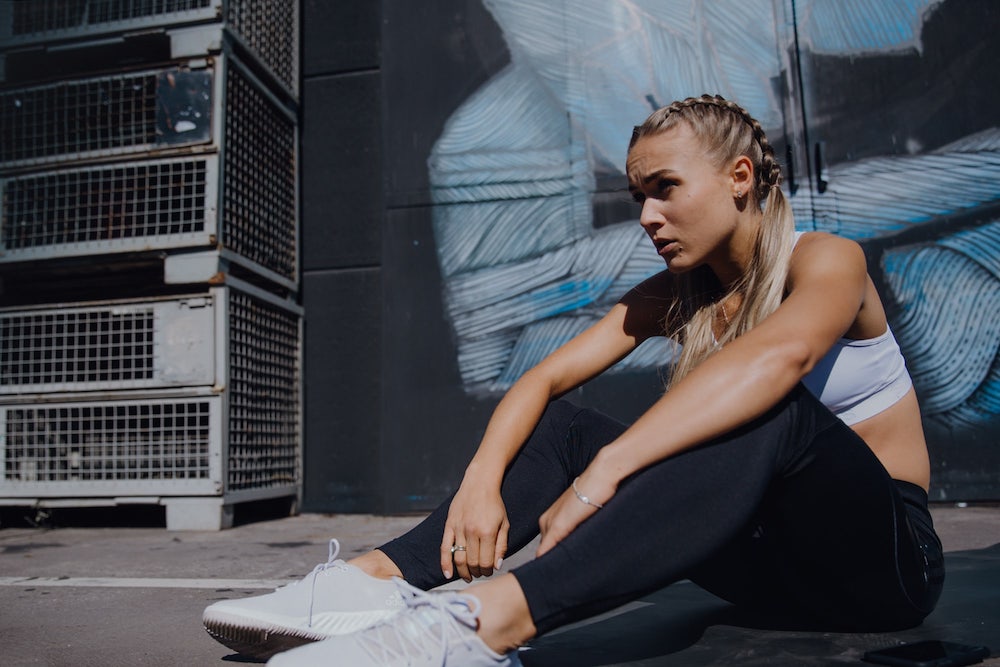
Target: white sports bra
858,379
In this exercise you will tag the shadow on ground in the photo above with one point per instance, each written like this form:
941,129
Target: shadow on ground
684,625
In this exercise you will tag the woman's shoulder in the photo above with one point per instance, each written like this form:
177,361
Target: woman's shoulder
648,303
655,287
822,253
813,238
813,243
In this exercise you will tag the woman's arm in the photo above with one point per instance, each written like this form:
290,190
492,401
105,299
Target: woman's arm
477,519
636,317
826,286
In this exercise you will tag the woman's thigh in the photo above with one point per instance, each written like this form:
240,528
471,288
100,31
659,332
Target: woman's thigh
664,521
830,540
792,509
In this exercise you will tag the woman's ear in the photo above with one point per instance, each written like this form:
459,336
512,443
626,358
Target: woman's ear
742,175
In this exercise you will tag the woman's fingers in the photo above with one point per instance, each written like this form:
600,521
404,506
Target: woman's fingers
483,567
501,550
447,555
474,539
461,555
472,557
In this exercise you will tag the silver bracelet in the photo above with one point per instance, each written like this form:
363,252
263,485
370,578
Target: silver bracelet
584,499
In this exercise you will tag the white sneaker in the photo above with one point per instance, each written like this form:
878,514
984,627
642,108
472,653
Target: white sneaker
335,598
435,630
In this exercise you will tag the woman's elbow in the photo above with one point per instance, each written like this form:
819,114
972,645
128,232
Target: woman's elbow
541,381
787,362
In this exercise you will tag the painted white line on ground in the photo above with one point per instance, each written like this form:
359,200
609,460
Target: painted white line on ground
136,582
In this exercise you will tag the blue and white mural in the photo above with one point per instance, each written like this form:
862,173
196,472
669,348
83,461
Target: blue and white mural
516,169
520,168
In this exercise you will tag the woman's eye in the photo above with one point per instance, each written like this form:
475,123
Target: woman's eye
658,190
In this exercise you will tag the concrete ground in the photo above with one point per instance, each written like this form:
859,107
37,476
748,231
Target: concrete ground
133,596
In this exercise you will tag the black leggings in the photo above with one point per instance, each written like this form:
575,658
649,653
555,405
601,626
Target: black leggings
791,514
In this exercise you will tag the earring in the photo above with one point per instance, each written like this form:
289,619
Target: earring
739,194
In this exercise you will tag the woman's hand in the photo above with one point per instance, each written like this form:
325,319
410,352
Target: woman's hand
477,520
569,511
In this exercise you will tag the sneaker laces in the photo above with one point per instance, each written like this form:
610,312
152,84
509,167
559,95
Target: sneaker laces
334,549
425,630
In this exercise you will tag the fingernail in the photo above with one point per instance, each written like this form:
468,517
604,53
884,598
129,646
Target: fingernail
447,574
499,563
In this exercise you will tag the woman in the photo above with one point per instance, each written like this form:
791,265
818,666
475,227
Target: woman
784,470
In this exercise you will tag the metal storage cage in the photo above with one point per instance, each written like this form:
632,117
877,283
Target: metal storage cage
199,156
157,111
266,30
138,205
231,434
110,345
29,21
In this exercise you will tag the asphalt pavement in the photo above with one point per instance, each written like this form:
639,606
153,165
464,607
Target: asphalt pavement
80,596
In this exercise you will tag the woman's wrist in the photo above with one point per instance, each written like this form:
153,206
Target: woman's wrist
597,483
584,498
480,473
612,464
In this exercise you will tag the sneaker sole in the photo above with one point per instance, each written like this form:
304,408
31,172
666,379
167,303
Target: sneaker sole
256,643
263,642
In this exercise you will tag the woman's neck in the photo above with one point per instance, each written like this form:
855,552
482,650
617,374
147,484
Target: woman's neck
736,253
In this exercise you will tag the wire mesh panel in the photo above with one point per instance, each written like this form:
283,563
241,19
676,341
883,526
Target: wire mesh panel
122,114
28,21
264,400
127,206
270,29
75,347
150,446
108,346
259,192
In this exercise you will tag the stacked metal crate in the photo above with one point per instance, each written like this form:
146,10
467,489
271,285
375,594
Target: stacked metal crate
150,339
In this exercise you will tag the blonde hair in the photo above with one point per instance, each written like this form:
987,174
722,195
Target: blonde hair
727,131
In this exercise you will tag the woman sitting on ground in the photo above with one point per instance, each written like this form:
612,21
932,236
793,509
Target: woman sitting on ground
784,469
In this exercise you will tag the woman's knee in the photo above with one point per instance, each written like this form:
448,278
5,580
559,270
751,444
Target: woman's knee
560,414
573,433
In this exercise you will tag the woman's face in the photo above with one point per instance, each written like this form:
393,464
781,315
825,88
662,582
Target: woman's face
688,204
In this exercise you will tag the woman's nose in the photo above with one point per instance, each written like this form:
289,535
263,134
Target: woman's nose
649,217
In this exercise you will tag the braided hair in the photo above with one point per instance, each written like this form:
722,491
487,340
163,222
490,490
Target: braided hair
728,131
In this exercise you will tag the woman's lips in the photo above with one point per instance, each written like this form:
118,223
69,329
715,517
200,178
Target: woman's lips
668,247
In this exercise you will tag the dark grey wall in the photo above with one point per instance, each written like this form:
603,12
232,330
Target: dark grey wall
342,217
432,60
389,427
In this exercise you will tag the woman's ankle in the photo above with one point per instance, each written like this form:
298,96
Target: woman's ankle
376,564
504,618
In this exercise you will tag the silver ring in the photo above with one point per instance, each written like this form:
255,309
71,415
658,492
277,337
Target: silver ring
455,548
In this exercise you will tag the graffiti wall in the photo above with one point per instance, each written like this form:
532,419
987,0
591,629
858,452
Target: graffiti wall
520,165
883,111
905,159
